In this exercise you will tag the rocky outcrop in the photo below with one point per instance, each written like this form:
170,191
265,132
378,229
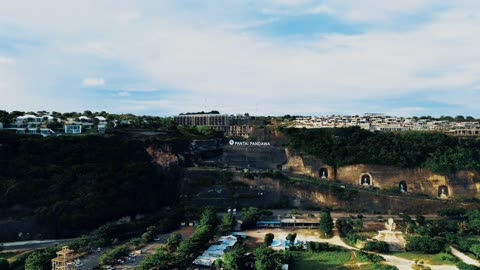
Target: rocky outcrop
163,157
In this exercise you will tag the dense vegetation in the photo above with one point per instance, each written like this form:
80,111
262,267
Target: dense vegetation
77,183
186,251
344,146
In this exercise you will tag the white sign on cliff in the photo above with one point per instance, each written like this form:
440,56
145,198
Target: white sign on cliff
241,143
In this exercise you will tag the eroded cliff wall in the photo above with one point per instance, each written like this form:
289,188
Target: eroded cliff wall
417,180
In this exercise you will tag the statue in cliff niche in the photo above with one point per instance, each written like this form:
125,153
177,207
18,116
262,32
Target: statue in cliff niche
365,180
323,173
443,192
403,187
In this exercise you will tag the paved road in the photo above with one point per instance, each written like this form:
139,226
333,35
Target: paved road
34,244
464,257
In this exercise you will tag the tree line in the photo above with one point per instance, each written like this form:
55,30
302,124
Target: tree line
74,184
345,146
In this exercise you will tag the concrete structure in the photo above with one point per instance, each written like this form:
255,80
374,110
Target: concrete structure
65,260
240,131
216,121
394,239
73,129
292,222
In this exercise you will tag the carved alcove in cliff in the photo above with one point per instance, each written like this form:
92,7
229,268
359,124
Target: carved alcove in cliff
403,186
323,173
365,179
443,191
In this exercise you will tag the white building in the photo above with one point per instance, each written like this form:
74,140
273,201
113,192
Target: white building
30,120
214,252
73,129
36,131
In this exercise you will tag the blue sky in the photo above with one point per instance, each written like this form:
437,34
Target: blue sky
269,57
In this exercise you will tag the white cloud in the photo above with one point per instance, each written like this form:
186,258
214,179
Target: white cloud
237,69
93,82
6,60
123,94
318,10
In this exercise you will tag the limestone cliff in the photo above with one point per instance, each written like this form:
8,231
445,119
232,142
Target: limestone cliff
416,180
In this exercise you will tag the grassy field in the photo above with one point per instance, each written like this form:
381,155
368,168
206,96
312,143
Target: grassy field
322,260
433,259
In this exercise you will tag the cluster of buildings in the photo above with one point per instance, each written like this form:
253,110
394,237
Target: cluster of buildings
42,125
381,122
230,125
216,251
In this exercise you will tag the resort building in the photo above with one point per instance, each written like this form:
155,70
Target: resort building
73,129
216,121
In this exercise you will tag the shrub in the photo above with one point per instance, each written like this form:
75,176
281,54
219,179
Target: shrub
378,246
425,244
369,257
464,266
112,255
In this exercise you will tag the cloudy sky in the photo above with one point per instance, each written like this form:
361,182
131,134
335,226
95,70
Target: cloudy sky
409,57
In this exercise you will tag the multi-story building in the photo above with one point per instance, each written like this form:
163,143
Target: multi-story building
73,129
216,121
31,121
240,131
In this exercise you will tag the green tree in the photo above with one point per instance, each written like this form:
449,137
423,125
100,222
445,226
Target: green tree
149,234
235,258
208,217
5,117
112,255
266,259
475,249
268,239
425,244
250,216
474,221
40,259
326,224
160,260
228,222
378,246
291,238
173,241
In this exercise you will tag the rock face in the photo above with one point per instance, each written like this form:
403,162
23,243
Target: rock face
313,195
260,157
163,157
416,180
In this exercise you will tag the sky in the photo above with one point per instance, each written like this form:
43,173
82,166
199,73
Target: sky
264,57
